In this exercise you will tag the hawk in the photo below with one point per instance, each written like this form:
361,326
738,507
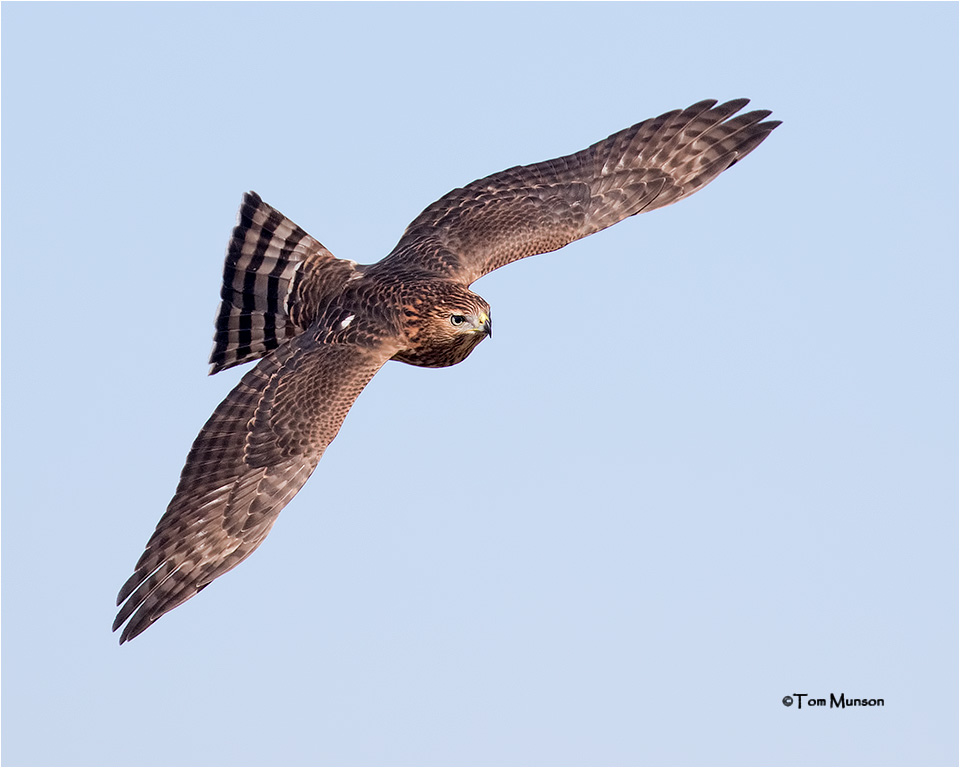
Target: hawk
322,327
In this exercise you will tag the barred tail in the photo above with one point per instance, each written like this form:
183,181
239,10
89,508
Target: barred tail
265,262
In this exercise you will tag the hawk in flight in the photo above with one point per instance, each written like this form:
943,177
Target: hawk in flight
321,327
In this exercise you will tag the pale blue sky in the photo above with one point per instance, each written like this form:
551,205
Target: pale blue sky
709,458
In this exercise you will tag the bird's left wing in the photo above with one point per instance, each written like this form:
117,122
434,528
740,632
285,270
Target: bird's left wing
252,456
537,208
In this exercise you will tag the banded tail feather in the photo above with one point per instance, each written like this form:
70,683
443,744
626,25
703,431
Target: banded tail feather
271,264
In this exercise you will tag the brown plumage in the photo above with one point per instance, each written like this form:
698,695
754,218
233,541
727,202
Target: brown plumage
324,326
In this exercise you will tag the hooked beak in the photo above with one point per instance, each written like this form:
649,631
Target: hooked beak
487,327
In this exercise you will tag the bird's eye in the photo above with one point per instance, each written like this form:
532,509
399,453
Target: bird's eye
457,319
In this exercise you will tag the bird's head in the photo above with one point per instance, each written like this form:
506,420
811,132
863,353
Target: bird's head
443,326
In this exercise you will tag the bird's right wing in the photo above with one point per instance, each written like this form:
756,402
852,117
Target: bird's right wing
252,456
537,208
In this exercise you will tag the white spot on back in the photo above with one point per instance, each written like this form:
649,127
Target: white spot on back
346,321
